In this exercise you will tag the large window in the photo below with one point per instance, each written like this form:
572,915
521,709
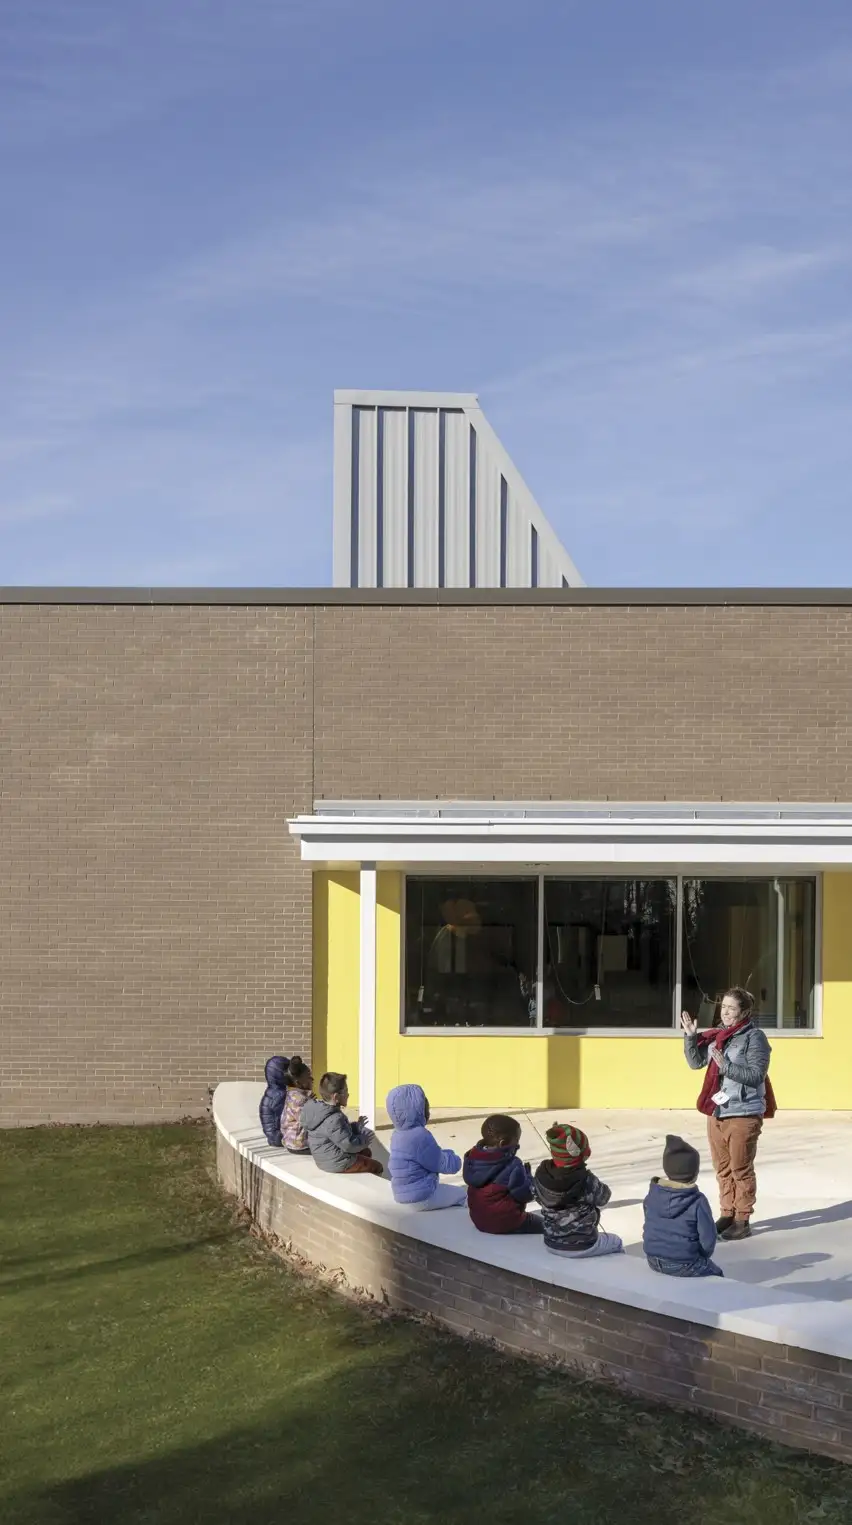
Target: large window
609,952
582,953
470,952
758,933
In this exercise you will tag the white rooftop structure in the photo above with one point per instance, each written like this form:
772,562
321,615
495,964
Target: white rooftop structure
426,496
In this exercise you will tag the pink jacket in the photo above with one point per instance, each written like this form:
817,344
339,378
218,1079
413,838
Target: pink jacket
293,1135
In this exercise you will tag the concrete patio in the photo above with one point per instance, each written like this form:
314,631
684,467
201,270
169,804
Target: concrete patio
788,1285
802,1231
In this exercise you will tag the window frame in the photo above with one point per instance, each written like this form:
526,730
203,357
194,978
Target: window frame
459,871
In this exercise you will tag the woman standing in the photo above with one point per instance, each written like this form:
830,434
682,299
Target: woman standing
735,1098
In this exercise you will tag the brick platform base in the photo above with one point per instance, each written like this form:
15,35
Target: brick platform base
793,1396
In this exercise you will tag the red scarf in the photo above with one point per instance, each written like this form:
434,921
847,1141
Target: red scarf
713,1078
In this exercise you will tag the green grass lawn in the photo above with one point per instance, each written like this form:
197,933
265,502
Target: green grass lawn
161,1366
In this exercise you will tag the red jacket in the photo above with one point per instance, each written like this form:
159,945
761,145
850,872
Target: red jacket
498,1188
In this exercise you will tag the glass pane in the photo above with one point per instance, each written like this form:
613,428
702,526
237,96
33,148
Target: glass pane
798,949
470,952
758,933
609,952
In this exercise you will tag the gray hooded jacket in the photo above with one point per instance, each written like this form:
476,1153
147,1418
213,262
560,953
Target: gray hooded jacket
743,1070
332,1139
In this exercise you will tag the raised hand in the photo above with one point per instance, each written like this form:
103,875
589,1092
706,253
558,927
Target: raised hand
688,1023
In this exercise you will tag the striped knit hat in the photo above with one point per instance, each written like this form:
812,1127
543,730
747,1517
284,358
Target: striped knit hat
568,1145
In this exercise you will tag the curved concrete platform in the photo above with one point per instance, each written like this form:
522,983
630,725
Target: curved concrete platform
767,1358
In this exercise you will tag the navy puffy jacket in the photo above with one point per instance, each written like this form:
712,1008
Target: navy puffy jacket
273,1099
678,1222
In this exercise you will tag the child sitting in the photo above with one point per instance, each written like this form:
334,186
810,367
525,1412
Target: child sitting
300,1084
272,1100
416,1158
571,1197
336,1144
680,1235
499,1186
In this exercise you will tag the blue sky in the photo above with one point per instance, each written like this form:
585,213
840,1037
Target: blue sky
627,226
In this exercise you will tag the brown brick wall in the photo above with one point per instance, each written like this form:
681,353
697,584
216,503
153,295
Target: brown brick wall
154,919
618,703
793,1396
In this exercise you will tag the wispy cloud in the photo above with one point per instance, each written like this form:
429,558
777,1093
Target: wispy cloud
815,75
653,299
666,359
33,510
759,272
495,227
135,571
84,69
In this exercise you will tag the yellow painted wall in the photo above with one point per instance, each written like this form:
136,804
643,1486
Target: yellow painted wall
336,949
479,1071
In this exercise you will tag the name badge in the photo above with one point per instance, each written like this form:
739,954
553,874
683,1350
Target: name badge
721,1099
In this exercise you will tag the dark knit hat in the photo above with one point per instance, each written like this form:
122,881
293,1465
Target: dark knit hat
568,1145
680,1161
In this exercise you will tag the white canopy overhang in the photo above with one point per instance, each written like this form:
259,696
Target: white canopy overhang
635,839
800,838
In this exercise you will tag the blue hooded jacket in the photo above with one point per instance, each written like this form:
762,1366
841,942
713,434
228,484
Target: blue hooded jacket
416,1158
678,1222
273,1099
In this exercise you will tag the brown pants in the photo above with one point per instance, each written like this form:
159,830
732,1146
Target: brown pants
363,1162
733,1146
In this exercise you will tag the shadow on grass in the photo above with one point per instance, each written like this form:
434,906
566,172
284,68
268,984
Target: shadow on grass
399,1440
226,1390
110,1264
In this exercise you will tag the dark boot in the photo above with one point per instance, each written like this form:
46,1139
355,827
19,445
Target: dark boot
724,1223
739,1229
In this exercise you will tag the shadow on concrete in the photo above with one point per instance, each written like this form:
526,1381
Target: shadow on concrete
809,1217
379,1150
829,1290
779,1266
634,1250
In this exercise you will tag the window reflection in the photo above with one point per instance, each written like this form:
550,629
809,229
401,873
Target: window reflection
470,955
609,952
758,933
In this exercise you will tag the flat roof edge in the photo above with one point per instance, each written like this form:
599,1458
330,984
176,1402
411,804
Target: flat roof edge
367,397
536,810
556,598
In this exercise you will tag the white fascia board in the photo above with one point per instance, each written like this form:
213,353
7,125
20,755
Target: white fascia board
807,843
542,855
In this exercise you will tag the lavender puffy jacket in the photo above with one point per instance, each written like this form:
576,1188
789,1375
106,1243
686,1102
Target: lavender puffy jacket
416,1158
